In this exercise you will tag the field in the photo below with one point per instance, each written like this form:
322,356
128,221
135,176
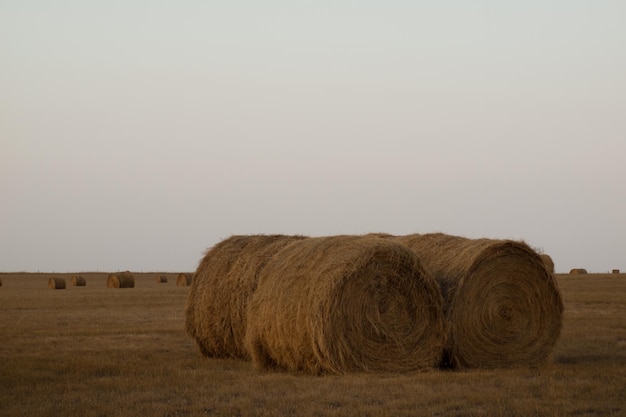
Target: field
95,351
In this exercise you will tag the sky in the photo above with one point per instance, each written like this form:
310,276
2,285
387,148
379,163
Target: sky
134,135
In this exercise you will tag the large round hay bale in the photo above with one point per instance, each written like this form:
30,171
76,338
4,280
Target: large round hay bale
503,307
55,283
345,304
161,279
578,271
78,281
121,280
548,262
221,288
183,279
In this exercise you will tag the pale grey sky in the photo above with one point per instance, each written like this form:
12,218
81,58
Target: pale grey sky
135,135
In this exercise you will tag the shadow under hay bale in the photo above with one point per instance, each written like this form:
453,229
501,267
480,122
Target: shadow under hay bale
220,291
121,280
548,262
345,304
578,271
161,279
503,307
78,281
183,279
55,283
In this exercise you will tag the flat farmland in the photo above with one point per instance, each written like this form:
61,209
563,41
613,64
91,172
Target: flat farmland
97,351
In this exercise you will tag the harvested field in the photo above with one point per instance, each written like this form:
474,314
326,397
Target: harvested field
126,353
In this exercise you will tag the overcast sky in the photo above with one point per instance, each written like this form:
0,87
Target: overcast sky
137,134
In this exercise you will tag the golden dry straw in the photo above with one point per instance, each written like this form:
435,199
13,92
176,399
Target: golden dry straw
502,305
78,281
121,280
578,271
55,283
161,279
222,286
183,279
343,304
547,260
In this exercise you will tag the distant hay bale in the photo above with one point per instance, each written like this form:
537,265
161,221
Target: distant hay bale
78,281
0,282
615,271
547,260
121,280
220,291
183,279
345,304
161,279
55,283
578,271
502,305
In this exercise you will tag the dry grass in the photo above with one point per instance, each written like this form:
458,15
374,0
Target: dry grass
126,353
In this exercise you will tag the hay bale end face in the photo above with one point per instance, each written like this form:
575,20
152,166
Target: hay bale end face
183,279
578,271
78,281
222,286
345,304
121,280
161,279
502,305
55,283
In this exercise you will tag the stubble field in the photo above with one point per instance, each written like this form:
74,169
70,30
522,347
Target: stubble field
95,351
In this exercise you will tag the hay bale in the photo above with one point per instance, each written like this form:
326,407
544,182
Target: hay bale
549,263
121,280
220,291
0,282
161,279
578,271
502,305
55,283
78,281
615,271
183,279
345,304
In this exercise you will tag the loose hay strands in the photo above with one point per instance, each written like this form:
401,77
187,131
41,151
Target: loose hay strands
55,283
503,306
78,281
183,279
578,271
547,260
345,304
221,289
121,280
161,279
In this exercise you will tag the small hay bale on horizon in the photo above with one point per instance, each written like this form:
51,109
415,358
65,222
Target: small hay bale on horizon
503,307
339,304
184,279
121,280
55,283
547,260
578,271
161,279
78,281
615,271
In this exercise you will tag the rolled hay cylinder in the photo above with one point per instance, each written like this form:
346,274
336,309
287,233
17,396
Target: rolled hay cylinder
78,281
502,305
221,289
183,279
121,280
161,279
0,282
578,271
55,283
548,262
615,271
344,304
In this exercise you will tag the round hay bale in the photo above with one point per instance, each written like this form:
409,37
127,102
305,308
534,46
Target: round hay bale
55,283
0,282
78,281
220,291
615,271
345,304
547,260
161,279
578,271
121,280
502,305
183,279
